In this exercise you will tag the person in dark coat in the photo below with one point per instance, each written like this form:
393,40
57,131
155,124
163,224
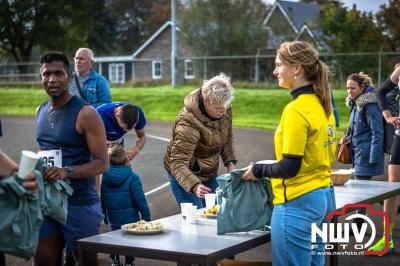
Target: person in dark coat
122,197
366,130
366,127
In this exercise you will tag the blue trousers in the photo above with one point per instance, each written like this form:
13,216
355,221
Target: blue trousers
291,227
181,195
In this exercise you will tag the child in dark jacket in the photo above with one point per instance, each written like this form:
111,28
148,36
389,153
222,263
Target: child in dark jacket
122,197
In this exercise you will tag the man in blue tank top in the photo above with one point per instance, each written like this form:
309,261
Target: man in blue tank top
118,119
71,138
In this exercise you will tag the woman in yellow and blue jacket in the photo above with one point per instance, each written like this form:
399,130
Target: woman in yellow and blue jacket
305,144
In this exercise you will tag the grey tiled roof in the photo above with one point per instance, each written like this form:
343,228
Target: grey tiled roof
300,13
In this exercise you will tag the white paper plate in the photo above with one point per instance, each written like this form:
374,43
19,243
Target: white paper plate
127,229
210,216
344,171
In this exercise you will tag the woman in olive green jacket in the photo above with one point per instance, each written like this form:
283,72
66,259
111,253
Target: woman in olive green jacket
201,134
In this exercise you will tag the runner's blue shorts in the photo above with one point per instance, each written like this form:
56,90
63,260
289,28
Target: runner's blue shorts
82,221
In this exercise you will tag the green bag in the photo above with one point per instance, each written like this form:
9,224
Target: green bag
55,197
21,217
244,205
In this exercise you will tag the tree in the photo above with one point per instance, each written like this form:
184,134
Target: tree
102,34
346,31
118,26
50,25
130,29
135,21
20,22
160,13
225,27
388,19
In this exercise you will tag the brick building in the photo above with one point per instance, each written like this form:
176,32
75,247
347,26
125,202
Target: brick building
286,21
151,61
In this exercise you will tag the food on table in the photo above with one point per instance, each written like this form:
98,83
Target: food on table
143,226
212,211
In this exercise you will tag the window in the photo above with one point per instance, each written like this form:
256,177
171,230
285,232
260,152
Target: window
156,69
116,73
189,73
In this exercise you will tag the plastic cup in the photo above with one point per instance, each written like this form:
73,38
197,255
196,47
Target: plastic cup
183,208
191,214
27,163
210,200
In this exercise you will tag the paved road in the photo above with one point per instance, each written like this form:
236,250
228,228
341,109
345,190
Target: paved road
19,134
251,145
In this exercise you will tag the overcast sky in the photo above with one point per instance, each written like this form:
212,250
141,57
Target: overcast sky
363,5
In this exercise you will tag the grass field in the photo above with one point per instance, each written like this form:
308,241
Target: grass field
252,108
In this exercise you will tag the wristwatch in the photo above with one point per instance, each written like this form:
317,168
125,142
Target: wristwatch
70,170
229,163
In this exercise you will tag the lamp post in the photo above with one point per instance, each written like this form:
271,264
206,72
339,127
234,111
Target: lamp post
173,46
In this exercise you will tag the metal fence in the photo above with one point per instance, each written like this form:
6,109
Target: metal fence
256,69
19,73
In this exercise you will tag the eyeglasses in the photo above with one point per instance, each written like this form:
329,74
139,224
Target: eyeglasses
220,109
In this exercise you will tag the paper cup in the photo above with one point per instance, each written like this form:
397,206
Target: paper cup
183,208
191,214
210,200
27,163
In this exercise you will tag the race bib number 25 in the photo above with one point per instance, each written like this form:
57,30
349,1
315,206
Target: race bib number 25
51,157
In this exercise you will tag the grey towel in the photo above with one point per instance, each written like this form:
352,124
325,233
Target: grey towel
247,205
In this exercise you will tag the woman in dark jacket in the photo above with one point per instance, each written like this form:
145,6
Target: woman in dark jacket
366,130
366,127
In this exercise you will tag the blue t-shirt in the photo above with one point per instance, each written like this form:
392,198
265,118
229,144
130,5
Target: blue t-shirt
114,132
55,130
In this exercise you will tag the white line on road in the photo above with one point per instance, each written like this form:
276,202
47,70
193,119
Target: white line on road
156,189
157,137
148,135
165,184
